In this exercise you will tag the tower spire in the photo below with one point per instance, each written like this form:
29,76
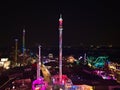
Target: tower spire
60,22
60,47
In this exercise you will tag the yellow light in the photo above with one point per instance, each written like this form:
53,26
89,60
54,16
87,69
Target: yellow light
85,87
37,88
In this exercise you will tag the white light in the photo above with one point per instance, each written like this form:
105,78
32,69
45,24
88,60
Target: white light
4,59
6,64
1,63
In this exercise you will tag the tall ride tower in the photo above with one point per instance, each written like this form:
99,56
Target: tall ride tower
60,47
39,63
23,47
16,51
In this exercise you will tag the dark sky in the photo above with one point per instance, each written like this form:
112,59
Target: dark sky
86,22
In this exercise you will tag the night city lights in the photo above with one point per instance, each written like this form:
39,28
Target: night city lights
59,45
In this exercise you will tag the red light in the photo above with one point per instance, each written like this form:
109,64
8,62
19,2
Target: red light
60,22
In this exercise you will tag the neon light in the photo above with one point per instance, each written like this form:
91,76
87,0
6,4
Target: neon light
39,84
98,62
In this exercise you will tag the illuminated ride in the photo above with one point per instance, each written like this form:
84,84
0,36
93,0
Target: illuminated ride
55,79
39,83
105,75
101,64
116,71
60,80
98,62
65,82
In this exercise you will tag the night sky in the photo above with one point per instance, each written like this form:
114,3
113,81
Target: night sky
86,22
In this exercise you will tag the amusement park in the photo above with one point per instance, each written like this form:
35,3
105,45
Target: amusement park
84,72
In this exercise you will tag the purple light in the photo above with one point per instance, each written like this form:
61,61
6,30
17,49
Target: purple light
60,22
39,84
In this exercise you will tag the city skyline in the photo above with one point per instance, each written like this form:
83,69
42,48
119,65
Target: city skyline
84,23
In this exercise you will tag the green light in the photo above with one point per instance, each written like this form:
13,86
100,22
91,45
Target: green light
97,62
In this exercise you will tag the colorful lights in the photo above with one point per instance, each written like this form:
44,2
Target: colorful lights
60,22
81,87
60,48
55,79
39,84
98,62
